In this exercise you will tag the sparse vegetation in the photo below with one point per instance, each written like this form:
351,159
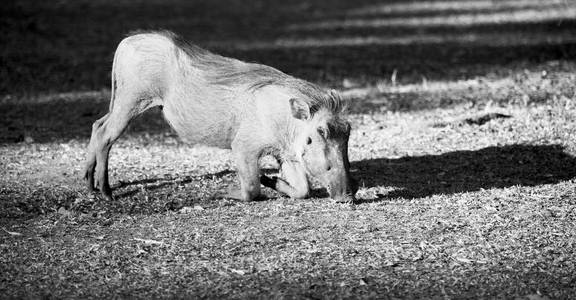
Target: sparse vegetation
456,201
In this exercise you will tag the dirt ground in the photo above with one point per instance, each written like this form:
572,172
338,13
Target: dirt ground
464,122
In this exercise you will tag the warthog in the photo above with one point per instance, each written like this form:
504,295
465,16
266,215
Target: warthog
253,109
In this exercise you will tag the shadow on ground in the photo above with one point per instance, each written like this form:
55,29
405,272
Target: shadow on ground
448,173
152,184
407,178
467,171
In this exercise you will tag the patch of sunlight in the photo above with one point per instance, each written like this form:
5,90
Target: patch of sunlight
100,95
425,87
474,39
534,15
439,6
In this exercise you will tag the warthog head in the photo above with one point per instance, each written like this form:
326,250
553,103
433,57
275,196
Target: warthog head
322,143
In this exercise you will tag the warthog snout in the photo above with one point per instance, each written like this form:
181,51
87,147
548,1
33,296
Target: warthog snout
325,155
343,190
340,185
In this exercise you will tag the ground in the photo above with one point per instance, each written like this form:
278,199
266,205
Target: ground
464,123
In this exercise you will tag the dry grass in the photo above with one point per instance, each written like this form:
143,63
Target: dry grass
456,200
447,209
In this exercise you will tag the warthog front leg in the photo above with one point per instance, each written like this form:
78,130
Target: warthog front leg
293,181
248,172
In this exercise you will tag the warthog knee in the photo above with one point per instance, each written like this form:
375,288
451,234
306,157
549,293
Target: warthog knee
300,193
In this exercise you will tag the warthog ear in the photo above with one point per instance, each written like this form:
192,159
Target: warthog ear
300,109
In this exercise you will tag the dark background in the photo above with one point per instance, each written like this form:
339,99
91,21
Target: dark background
65,46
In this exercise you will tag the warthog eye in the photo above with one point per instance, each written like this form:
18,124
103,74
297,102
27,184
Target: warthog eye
322,132
308,141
